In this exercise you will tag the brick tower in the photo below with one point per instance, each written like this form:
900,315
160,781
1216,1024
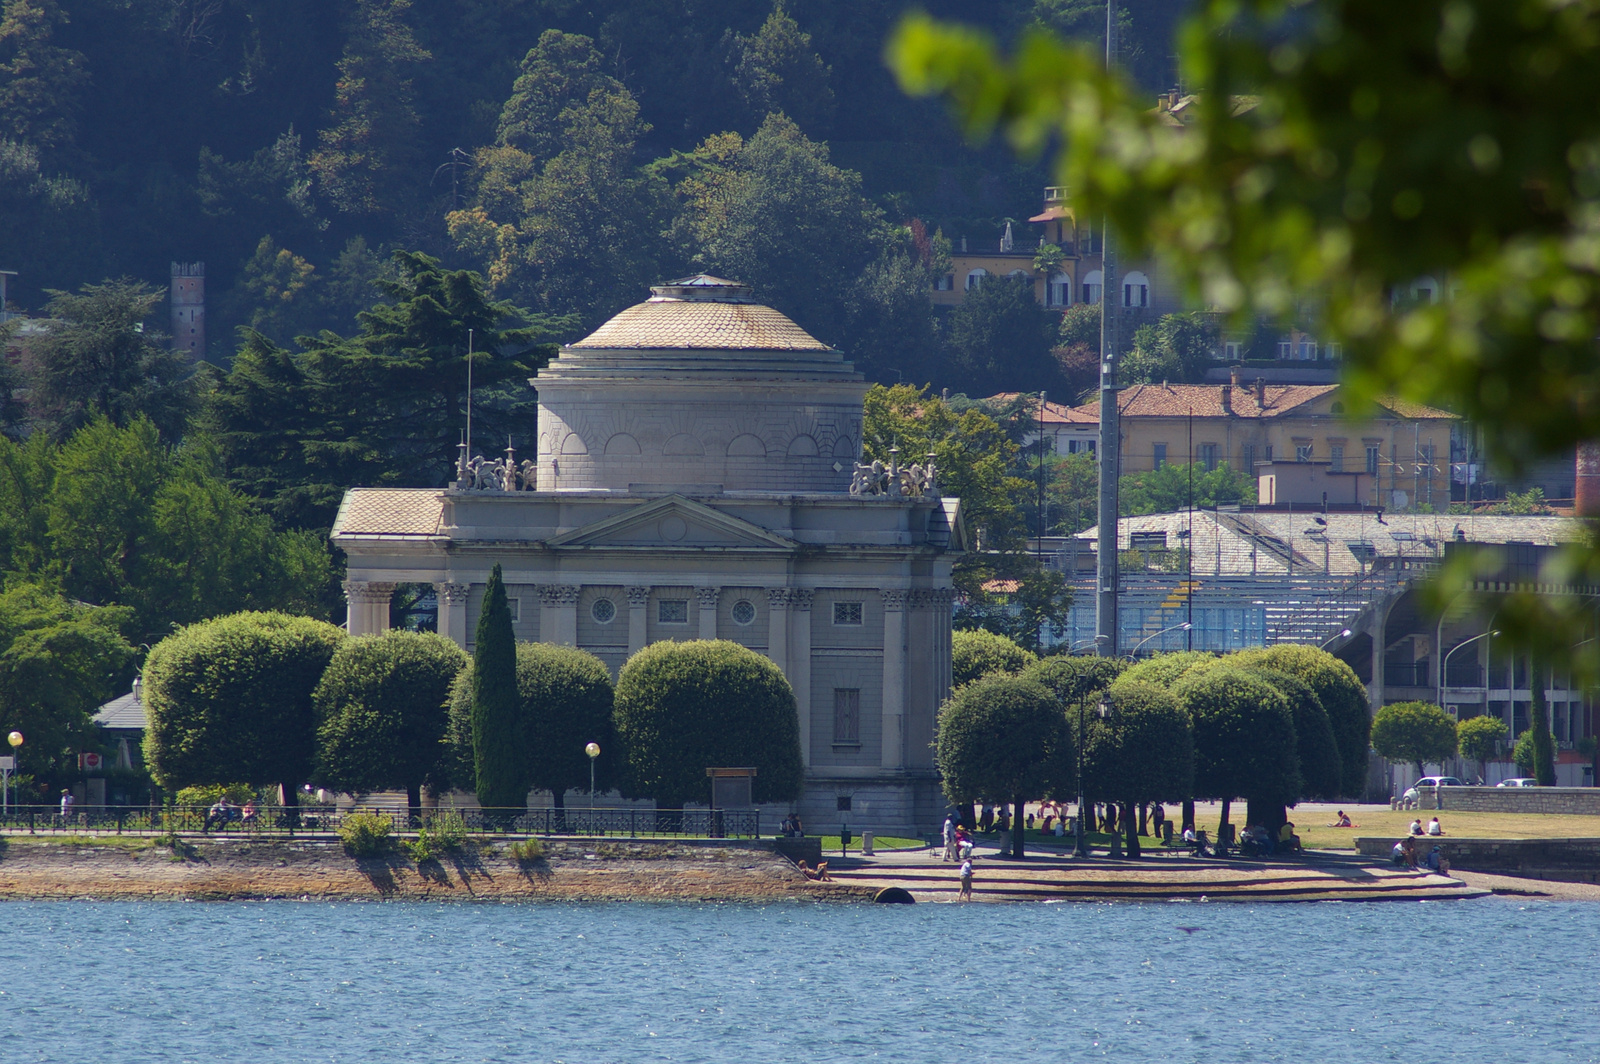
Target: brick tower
189,309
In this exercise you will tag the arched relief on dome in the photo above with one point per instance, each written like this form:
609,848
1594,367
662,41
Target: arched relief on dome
683,445
622,444
747,445
844,447
574,444
803,446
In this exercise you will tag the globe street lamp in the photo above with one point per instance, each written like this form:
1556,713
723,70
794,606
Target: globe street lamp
15,739
593,750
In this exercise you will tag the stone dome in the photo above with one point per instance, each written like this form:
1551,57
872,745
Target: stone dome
699,389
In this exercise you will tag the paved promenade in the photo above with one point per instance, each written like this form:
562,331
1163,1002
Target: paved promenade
1157,876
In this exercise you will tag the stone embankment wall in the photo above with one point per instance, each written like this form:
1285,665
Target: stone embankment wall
1583,801
1569,860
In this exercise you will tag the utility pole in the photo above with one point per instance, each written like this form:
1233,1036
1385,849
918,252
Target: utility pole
1109,445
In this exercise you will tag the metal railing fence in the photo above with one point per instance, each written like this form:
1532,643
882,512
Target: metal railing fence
325,820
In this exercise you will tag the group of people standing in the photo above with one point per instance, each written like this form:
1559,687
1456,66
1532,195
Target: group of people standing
958,845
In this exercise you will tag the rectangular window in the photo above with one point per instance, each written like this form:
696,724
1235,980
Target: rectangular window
1147,540
1372,461
673,611
847,613
516,609
1302,452
1333,352
1336,458
1160,455
1231,350
1267,457
1208,456
847,716
1308,350
1285,350
1247,455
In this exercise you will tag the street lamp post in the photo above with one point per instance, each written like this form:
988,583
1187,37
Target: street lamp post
593,750
1343,633
1080,848
1184,627
15,739
1445,665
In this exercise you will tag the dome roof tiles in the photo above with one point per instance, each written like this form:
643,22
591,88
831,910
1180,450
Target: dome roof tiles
665,322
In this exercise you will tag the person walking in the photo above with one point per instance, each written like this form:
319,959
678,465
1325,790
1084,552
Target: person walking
949,838
66,804
966,881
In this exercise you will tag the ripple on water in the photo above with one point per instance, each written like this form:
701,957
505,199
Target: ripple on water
283,982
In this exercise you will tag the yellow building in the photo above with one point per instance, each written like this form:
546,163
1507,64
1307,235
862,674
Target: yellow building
1079,278
1300,441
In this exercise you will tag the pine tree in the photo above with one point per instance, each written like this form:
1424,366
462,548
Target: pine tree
501,776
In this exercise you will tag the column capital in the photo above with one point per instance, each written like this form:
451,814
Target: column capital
559,594
895,599
932,597
368,591
707,597
638,597
800,598
452,594
779,597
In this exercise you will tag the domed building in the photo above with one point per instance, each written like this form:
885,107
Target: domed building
697,477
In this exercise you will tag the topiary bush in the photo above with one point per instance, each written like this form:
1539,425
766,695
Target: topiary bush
682,708
1343,698
1165,670
1076,679
1321,767
1143,751
211,793
975,653
1414,732
1244,738
564,702
230,699
382,708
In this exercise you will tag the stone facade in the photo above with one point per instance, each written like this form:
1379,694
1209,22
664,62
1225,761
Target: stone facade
849,594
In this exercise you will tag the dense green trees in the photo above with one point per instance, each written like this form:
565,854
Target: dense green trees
230,699
1000,339
499,772
1414,732
59,659
976,653
382,716
1479,738
1076,679
1142,751
1004,738
1175,487
1244,738
682,708
1343,698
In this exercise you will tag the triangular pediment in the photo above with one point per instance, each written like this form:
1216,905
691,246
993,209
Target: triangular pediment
669,523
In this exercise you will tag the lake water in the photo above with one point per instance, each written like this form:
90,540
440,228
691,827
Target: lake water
216,983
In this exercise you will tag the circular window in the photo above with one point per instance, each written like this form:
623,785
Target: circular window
744,612
603,610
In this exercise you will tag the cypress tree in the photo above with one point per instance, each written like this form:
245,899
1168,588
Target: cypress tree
501,777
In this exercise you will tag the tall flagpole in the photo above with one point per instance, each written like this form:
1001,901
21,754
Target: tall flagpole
1109,445
469,395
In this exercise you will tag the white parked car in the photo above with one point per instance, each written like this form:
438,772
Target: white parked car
1520,781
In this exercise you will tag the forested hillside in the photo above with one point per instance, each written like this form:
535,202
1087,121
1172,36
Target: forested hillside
572,152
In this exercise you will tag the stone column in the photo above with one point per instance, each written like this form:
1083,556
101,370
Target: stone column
800,665
778,628
369,606
707,597
894,679
638,623
453,611
558,614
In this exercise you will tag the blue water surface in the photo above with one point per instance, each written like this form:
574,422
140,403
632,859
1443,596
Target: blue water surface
268,982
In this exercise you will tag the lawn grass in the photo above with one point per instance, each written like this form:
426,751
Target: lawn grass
830,843
1314,832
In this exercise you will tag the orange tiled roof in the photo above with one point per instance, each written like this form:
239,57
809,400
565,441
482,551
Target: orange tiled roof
1054,413
1205,400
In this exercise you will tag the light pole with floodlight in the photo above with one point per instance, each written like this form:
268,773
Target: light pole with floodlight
1184,627
1445,665
1343,633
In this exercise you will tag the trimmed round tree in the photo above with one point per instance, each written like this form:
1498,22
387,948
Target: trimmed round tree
1479,739
564,702
500,775
230,699
1143,751
1244,740
1004,737
1321,766
682,708
1414,732
1343,698
1075,679
382,708
975,652
1165,670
